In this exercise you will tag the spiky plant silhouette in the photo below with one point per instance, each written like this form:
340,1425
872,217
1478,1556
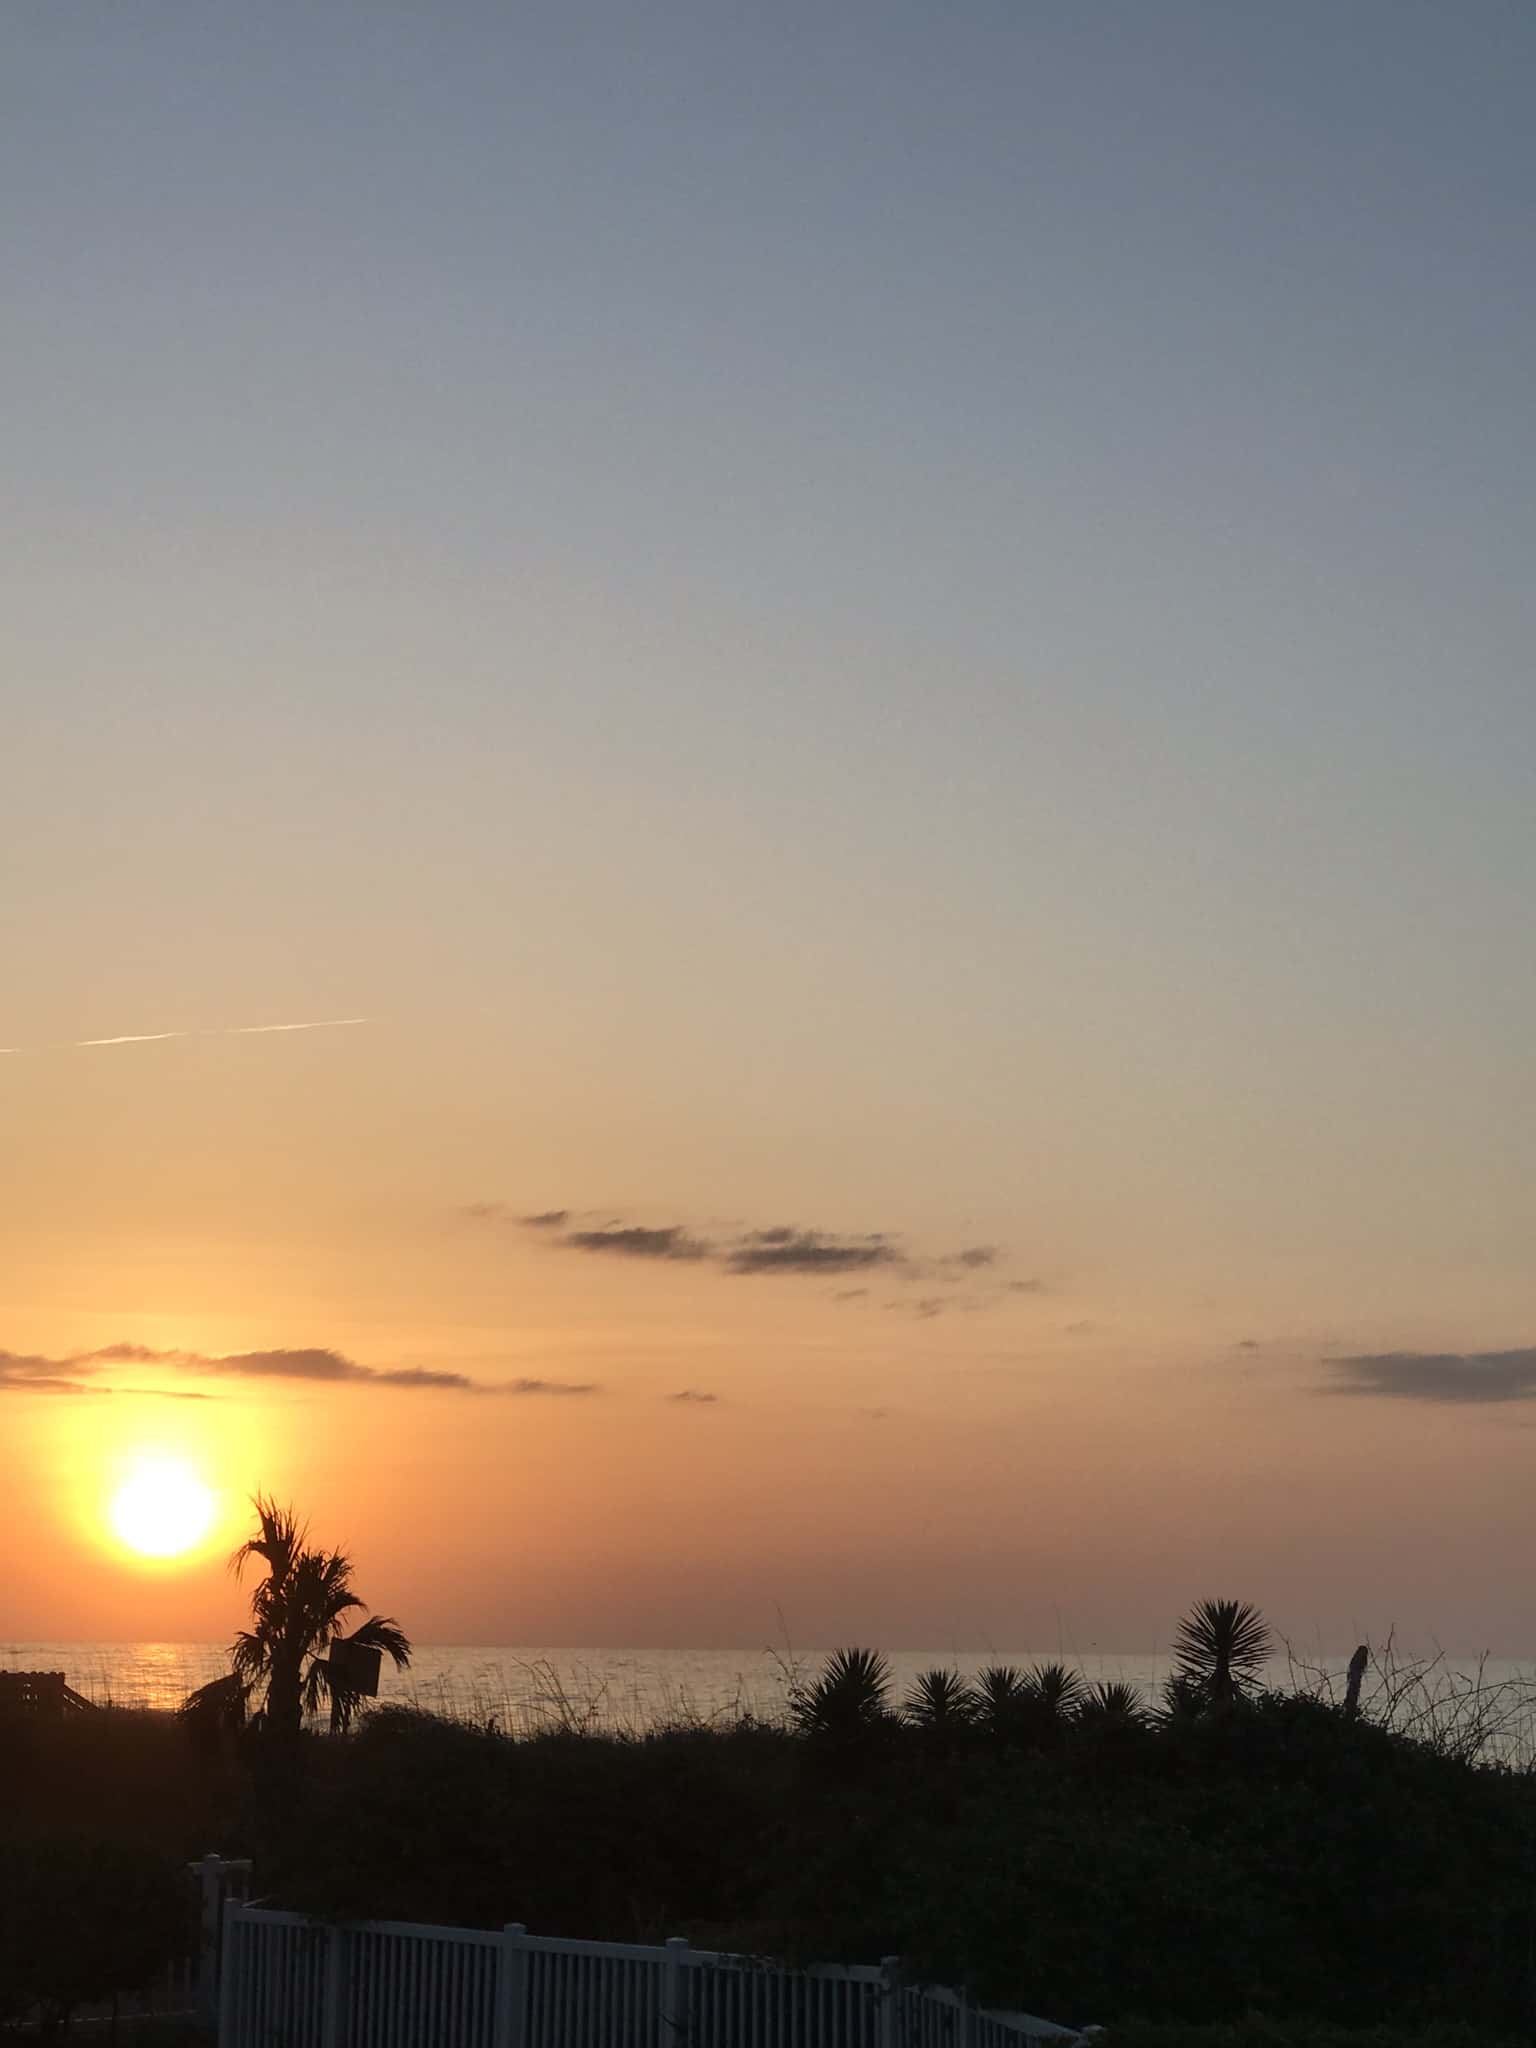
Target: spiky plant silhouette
1054,1693
940,1701
1113,1697
847,1699
1001,1694
1219,1648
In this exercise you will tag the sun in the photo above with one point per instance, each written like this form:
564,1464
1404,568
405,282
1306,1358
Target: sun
162,1509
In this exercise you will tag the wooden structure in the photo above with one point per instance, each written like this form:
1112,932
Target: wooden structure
39,1695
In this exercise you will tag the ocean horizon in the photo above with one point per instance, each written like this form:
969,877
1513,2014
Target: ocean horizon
631,1689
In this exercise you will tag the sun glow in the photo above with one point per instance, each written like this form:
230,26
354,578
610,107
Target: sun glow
162,1509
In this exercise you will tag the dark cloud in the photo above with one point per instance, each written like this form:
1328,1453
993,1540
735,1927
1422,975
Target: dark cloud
693,1395
809,1251
42,1383
543,1387
1025,1286
973,1257
72,1375
852,1294
1247,1344
280,1365
634,1241
1445,1376
923,1309
546,1219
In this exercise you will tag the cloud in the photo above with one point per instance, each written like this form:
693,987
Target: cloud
1078,1329
851,1294
786,1250
1247,1344
634,1241
543,1387
692,1395
1444,1376
19,1372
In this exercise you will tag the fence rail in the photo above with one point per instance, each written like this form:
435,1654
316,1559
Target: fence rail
290,1982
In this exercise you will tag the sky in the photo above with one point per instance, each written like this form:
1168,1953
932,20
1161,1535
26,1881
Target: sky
875,662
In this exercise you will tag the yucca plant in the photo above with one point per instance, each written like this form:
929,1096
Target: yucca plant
847,1699
1002,1698
1054,1693
1112,1700
940,1701
1219,1650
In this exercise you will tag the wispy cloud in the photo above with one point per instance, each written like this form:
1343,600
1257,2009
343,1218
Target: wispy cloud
208,1031
1463,1377
77,1373
692,1396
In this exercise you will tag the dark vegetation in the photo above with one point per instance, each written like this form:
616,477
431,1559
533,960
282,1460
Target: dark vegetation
1075,1850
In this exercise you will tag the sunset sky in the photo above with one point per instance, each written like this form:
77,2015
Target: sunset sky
870,668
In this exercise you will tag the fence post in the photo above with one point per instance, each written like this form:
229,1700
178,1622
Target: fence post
890,1995
334,2014
674,1995
210,1876
512,1986
229,1973
966,2027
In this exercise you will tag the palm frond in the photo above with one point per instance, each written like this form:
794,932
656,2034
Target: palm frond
382,1632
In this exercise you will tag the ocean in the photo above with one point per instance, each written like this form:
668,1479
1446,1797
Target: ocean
630,1690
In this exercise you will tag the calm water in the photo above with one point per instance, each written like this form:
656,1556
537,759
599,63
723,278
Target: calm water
526,1688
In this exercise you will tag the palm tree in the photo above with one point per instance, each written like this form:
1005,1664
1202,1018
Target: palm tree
1219,1652
296,1616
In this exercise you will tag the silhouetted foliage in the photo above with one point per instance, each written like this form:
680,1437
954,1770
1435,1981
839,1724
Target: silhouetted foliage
1220,1650
83,1916
847,1701
940,1701
296,1615
1067,1851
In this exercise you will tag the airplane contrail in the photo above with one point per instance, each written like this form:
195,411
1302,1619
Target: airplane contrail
133,1038
318,1024
212,1031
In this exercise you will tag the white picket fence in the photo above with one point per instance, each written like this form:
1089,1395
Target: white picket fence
290,1982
